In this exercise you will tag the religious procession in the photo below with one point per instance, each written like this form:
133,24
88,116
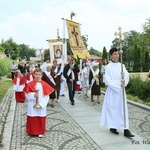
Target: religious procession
49,93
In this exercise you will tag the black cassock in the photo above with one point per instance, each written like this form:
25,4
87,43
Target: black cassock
47,80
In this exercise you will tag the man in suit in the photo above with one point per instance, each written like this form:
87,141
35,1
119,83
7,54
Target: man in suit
70,72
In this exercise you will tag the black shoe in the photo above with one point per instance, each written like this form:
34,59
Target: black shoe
92,100
114,131
52,105
72,103
127,133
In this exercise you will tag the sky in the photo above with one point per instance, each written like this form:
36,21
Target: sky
33,22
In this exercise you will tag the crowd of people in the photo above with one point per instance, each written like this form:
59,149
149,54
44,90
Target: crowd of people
45,83
70,76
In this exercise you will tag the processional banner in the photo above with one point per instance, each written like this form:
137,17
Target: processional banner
76,42
56,50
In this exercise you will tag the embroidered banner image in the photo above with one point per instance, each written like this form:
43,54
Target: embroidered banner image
76,43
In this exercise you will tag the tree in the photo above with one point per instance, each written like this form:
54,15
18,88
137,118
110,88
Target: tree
104,55
115,43
85,38
46,55
137,65
26,52
146,65
2,50
93,51
11,48
69,52
129,43
132,40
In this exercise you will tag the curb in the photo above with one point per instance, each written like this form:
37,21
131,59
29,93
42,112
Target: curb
9,125
145,107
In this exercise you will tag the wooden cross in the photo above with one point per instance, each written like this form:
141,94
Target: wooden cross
75,34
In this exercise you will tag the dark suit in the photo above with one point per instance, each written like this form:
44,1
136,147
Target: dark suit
71,87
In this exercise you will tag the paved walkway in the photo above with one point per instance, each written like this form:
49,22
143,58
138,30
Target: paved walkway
75,128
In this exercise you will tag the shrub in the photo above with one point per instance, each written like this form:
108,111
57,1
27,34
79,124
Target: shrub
9,75
139,89
134,98
134,86
148,103
5,66
148,75
145,92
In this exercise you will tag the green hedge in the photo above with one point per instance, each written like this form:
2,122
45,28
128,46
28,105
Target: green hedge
5,67
139,88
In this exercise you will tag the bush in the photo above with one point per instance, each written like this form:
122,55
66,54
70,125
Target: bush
4,66
129,68
134,98
134,86
4,86
148,103
9,75
148,75
139,89
145,92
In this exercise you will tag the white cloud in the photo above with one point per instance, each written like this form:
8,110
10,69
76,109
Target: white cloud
99,20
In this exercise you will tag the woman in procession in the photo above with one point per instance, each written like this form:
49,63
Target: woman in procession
85,79
95,83
48,78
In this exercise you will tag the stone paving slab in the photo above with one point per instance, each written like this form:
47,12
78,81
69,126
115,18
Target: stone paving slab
75,128
101,135
139,115
62,132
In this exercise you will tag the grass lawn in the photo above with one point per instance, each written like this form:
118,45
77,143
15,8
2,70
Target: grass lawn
4,86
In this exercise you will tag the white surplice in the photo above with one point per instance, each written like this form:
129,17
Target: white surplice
43,100
17,87
112,111
62,85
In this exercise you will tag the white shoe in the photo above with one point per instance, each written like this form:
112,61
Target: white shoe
40,135
58,100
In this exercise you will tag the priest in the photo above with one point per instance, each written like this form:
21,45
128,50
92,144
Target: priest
37,91
113,108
